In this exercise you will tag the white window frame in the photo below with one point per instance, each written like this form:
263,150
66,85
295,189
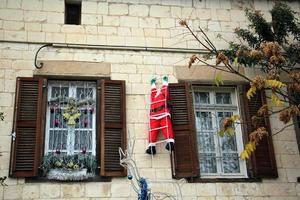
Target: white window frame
56,84
214,108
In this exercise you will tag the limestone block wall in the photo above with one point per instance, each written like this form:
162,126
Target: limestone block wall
121,22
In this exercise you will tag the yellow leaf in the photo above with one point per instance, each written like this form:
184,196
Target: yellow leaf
244,155
235,118
276,100
218,79
275,84
221,132
251,92
230,131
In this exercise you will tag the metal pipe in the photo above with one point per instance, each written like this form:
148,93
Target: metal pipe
115,47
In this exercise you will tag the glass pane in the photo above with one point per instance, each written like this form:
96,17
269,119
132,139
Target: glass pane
206,142
231,163
86,118
56,118
228,143
83,140
222,116
208,163
57,140
202,98
84,93
204,121
59,92
223,98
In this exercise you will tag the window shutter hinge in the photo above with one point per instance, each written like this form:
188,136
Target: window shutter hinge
13,135
44,83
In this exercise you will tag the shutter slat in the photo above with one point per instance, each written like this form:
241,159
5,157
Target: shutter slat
263,158
185,155
113,127
26,148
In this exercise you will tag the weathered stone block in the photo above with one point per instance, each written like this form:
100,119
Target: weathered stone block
97,189
36,36
72,190
11,14
206,189
55,18
76,38
14,4
72,29
120,190
139,10
37,16
91,19
33,26
102,8
15,35
89,7
279,189
237,15
32,5
13,25
31,191
160,11
48,190
129,21
56,37
118,9
54,5
12,192
111,20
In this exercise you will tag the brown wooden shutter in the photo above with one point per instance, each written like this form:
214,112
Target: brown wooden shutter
113,127
263,158
185,162
25,148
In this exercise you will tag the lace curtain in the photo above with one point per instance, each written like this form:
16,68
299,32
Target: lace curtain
217,155
77,99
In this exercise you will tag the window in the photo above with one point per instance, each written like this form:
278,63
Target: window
73,12
65,117
59,134
296,120
219,156
200,154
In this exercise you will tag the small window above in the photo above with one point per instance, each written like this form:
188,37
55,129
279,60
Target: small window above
73,12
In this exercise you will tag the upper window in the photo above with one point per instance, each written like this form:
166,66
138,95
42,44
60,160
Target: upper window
219,156
73,12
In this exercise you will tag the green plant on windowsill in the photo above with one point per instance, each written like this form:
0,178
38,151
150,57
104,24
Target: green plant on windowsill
59,166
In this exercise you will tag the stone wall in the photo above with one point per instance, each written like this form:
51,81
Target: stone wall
121,22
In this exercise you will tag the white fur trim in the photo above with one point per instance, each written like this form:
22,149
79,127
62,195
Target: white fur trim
160,116
170,140
165,83
153,86
151,145
158,91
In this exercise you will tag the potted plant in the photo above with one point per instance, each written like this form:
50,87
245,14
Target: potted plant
57,166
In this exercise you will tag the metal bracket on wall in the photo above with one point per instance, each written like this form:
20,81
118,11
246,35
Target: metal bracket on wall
37,64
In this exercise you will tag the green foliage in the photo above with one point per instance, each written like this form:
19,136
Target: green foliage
284,29
260,25
69,162
247,36
284,22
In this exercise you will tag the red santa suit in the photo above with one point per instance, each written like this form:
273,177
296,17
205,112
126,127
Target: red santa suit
160,118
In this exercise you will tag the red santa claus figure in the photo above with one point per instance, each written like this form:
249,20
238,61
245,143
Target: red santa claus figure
160,118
